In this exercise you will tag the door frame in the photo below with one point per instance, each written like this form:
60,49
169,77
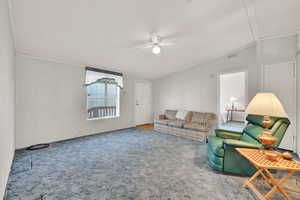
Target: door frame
294,63
134,100
232,71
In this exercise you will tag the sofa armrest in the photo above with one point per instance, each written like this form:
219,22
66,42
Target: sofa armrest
240,144
162,117
225,134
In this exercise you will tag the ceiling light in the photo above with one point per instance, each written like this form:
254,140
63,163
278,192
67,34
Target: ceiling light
156,50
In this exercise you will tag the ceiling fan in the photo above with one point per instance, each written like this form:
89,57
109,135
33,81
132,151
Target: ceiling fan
155,40
156,43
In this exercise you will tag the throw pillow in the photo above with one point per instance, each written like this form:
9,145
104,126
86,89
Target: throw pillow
181,114
170,114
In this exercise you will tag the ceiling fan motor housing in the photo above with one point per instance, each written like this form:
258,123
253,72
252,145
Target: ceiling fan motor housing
155,39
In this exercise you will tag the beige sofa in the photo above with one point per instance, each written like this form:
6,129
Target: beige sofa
196,125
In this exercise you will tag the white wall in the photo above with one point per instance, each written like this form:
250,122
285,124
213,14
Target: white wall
282,50
298,95
51,103
279,50
197,88
7,98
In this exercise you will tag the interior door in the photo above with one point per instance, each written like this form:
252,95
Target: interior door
143,102
280,79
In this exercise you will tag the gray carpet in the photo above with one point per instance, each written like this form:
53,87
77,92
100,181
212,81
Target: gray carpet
124,165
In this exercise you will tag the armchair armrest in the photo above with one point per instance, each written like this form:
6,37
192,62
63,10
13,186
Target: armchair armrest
225,134
162,117
240,144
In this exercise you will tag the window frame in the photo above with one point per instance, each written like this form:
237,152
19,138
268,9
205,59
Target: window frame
118,99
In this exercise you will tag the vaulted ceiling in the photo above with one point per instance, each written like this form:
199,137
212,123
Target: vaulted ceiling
109,33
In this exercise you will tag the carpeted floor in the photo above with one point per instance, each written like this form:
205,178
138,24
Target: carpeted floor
130,164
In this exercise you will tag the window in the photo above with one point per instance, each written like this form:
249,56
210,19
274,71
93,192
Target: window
103,93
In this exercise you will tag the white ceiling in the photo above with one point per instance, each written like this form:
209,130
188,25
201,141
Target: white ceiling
277,17
103,32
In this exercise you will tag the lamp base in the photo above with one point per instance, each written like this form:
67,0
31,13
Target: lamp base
266,138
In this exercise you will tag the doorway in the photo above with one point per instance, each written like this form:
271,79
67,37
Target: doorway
280,79
232,99
143,102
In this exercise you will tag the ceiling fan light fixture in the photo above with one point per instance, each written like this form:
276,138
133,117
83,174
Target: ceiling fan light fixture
156,49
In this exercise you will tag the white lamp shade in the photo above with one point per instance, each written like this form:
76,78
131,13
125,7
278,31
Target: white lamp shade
266,104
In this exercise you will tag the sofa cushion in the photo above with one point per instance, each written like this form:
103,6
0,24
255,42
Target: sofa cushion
215,145
198,117
196,126
176,123
161,121
171,114
182,114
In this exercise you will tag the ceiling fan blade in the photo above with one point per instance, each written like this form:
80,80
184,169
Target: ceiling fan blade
179,35
147,46
173,36
142,46
166,43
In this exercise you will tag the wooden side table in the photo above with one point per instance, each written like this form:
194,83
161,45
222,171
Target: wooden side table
263,165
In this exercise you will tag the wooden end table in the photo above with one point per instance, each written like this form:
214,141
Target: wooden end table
263,166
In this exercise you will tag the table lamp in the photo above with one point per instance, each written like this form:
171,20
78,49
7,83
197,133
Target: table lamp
266,105
232,100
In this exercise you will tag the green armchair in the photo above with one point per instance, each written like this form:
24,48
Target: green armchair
222,155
